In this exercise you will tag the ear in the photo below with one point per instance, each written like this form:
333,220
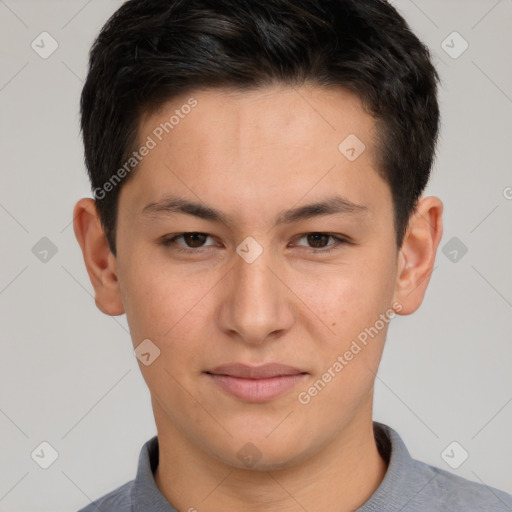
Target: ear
99,260
417,254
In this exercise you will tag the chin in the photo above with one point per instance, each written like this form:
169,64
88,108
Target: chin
260,454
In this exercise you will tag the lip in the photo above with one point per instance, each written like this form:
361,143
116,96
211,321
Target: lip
256,383
264,371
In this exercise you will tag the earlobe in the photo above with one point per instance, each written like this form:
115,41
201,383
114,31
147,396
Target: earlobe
417,254
98,258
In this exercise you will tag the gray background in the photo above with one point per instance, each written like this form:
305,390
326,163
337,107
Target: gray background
68,373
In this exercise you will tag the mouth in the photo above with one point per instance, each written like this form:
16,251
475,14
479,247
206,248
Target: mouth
256,384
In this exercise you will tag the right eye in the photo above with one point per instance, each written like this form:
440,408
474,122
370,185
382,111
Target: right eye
193,240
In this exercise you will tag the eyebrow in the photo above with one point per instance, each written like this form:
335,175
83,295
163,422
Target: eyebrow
329,206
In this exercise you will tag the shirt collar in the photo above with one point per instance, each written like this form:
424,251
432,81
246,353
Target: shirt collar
145,494
405,477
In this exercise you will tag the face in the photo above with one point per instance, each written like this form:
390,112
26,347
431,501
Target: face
259,278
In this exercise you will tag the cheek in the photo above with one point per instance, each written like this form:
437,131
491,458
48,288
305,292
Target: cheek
350,298
157,297
169,309
174,312
349,356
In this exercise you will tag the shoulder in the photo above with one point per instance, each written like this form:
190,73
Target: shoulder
455,493
115,501
411,485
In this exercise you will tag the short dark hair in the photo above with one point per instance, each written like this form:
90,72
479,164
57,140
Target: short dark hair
150,51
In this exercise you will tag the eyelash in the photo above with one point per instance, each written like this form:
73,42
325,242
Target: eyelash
167,242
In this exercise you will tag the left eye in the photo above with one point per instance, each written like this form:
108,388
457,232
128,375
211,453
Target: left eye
318,241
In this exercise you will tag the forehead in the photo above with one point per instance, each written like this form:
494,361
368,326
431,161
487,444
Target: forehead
226,122
273,145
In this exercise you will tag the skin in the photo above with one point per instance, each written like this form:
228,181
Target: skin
253,155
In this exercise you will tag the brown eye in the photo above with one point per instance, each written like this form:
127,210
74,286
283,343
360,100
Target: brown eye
194,239
187,242
318,240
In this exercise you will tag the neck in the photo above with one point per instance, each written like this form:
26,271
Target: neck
342,476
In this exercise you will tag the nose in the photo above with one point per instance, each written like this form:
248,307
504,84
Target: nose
256,301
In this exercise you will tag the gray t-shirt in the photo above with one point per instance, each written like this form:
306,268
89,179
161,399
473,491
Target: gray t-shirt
408,486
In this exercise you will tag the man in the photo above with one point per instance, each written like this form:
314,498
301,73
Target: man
257,171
